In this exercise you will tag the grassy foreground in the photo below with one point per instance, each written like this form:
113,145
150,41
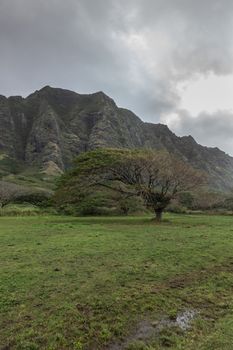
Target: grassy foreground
86,283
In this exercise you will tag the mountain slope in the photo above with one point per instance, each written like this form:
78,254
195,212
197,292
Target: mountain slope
46,130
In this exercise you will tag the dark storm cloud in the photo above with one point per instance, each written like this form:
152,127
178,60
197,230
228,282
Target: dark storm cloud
52,42
136,50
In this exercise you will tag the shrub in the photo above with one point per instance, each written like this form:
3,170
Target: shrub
177,208
19,210
40,199
25,210
186,199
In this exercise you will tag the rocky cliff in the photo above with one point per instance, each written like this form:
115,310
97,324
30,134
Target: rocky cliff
50,127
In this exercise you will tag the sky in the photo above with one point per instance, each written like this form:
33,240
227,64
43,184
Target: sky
169,61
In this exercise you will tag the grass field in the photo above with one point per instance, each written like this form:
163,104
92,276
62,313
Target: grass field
104,283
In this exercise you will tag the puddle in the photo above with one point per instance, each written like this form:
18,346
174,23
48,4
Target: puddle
184,319
149,329
144,331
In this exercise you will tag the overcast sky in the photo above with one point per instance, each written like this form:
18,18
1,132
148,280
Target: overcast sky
169,61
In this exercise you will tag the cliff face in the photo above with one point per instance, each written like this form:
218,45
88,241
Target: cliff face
50,127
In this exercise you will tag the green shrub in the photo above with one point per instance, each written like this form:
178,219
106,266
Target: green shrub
25,210
40,199
19,209
186,199
176,208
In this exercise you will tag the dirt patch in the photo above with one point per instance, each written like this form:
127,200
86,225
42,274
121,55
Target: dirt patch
197,276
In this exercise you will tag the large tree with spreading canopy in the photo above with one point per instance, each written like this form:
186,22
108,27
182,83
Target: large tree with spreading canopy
156,176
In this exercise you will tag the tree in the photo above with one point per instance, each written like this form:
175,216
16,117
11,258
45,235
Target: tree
207,200
155,176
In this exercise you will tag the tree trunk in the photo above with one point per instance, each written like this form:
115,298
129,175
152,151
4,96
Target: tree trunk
158,215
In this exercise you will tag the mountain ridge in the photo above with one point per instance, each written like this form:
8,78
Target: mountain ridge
50,127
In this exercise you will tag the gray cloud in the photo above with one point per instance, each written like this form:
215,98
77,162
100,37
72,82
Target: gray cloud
211,129
136,50
200,31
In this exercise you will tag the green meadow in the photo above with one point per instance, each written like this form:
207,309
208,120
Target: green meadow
106,283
